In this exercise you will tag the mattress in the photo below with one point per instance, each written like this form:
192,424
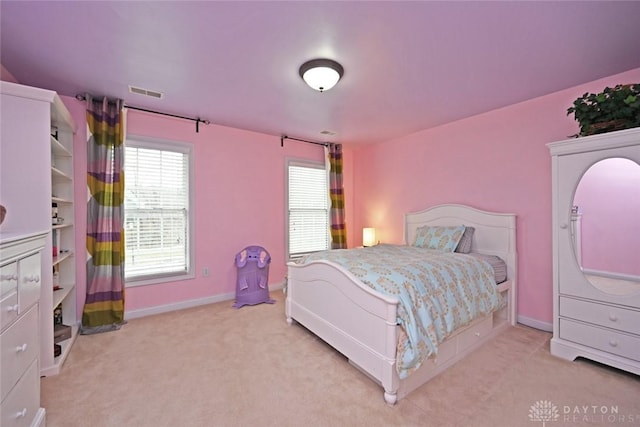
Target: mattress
498,265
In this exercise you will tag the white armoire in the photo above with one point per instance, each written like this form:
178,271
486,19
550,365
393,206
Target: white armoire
596,261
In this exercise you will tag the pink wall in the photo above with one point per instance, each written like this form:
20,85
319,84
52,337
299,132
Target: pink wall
239,201
609,198
497,161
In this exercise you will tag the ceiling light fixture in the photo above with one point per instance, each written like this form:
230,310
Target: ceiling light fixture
321,74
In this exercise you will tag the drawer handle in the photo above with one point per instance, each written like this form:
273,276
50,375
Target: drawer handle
21,348
613,317
613,343
12,308
21,414
477,334
9,277
35,279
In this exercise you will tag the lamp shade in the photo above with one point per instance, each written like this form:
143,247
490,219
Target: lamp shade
368,236
321,74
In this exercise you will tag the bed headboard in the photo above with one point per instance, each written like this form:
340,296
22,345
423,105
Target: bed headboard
495,233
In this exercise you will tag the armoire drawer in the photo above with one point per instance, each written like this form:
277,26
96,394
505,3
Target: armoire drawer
608,340
601,314
23,402
20,347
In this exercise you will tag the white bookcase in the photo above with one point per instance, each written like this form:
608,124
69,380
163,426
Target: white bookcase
36,173
62,238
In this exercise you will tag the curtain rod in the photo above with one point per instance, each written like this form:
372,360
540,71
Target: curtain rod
198,120
283,137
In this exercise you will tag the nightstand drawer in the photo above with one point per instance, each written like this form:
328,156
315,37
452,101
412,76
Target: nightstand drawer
601,314
22,404
600,338
19,347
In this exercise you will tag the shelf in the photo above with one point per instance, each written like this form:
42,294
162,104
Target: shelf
58,149
59,226
61,257
58,176
61,117
61,294
61,200
66,345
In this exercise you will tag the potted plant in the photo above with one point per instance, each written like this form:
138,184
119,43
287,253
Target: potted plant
612,109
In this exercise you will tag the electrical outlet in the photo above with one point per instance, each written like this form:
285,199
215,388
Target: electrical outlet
205,272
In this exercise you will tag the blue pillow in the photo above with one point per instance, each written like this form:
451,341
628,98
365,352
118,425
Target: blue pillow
444,239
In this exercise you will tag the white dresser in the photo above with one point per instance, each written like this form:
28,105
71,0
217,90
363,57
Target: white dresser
596,260
20,282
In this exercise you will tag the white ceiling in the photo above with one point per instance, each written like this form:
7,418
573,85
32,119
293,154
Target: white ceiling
408,65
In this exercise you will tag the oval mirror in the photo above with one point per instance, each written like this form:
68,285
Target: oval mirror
606,225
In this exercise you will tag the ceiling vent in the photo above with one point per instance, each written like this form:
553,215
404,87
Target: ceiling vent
146,92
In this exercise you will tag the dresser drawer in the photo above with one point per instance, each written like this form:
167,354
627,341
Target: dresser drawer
9,309
8,278
23,402
600,338
29,275
601,314
18,347
8,294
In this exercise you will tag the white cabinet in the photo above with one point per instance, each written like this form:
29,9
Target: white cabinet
36,159
20,270
597,264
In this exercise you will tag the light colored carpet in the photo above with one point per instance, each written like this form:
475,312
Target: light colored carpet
219,366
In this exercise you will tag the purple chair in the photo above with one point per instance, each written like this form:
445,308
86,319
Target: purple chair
252,284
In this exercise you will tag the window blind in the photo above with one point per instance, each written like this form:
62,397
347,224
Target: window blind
308,209
156,212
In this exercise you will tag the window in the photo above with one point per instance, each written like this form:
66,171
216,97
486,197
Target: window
157,211
307,208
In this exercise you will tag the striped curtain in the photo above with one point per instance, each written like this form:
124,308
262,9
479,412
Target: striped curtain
104,304
333,155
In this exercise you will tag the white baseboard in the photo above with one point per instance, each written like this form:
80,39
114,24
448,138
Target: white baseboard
150,311
534,323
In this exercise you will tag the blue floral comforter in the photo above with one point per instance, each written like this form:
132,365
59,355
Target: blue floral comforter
438,292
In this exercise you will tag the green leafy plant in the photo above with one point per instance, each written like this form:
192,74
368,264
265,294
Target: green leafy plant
612,109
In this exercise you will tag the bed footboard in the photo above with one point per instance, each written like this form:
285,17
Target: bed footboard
355,320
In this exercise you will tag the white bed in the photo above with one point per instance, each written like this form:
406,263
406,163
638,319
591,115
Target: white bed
361,323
